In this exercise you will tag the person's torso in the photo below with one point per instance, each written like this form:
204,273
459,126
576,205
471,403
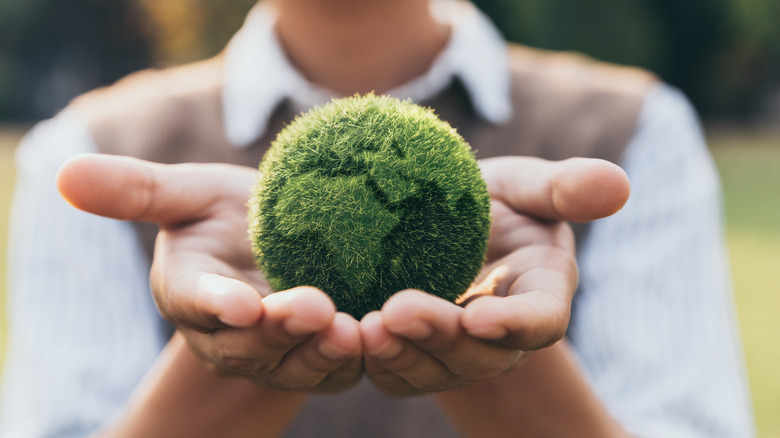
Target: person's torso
564,105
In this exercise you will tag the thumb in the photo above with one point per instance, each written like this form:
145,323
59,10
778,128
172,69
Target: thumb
577,189
131,189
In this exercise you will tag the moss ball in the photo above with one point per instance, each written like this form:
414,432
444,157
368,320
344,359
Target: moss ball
367,196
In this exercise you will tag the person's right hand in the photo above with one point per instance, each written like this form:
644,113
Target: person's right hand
214,295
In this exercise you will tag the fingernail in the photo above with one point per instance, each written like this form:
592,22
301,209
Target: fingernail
296,327
490,332
231,322
330,351
417,330
390,349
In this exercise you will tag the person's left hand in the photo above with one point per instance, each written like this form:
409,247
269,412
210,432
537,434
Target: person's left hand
521,300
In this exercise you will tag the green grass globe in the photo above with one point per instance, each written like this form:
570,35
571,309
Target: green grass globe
367,196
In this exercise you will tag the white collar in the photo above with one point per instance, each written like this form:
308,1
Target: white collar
258,75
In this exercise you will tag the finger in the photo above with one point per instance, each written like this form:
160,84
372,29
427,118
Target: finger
204,301
233,302
524,299
527,321
421,372
511,232
404,362
290,317
577,189
297,312
333,353
377,341
418,316
387,381
343,378
434,325
131,189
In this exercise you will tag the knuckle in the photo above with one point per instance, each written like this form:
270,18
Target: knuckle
240,365
410,360
322,367
282,341
287,382
404,364
243,366
491,370
439,383
484,374
322,364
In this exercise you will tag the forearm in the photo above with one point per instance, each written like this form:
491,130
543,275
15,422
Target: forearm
180,398
546,396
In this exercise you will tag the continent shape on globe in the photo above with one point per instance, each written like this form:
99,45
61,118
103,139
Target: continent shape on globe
367,196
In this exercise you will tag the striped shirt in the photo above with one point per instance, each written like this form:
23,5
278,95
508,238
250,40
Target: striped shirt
653,324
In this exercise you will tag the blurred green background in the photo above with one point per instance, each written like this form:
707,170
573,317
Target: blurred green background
724,54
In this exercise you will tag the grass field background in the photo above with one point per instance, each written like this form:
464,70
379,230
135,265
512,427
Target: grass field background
8,139
750,169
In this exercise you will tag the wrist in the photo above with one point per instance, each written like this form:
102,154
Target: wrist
181,398
531,400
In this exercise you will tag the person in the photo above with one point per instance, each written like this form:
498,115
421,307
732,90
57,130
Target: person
652,329
202,211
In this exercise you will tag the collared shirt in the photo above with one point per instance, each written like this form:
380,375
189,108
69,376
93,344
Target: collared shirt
653,326
475,54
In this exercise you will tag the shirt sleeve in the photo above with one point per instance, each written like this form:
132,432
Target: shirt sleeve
653,323
83,328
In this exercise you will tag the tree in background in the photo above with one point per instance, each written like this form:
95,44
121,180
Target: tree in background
723,53
188,30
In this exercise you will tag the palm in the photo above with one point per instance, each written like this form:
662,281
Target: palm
205,281
521,248
217,244
521,299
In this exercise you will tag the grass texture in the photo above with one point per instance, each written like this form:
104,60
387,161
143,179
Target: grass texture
367,196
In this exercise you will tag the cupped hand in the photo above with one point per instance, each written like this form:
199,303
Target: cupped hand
204,279
520,301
